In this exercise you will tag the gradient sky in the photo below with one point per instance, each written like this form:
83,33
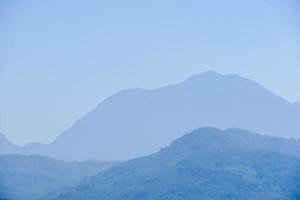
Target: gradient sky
59,59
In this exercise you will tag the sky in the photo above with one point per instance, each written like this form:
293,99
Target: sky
59,59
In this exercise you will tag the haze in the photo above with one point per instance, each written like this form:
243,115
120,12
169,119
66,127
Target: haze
59,59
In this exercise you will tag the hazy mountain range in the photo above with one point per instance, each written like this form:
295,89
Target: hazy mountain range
205,164
35,177
138,122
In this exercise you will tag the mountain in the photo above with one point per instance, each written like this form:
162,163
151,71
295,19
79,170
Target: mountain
6,147
33,177
205,164
297,105
138,122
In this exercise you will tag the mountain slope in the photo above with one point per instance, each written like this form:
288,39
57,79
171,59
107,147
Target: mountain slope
6,147
138,122
205,164
297,105
32,177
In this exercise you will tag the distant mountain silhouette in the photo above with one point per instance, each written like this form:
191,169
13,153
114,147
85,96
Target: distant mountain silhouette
205,164
34,177
137,122
6,147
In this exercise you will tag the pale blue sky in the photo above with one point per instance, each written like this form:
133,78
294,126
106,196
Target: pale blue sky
59,59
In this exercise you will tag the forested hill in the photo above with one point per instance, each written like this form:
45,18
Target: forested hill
206,164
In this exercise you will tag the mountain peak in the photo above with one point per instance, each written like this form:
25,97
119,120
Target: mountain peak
209,77
209,138
205,75
211,73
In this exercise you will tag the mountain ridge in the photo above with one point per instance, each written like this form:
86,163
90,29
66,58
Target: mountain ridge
137,122
207,163
30,177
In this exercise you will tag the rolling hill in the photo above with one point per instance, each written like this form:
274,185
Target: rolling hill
33,177
205,164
